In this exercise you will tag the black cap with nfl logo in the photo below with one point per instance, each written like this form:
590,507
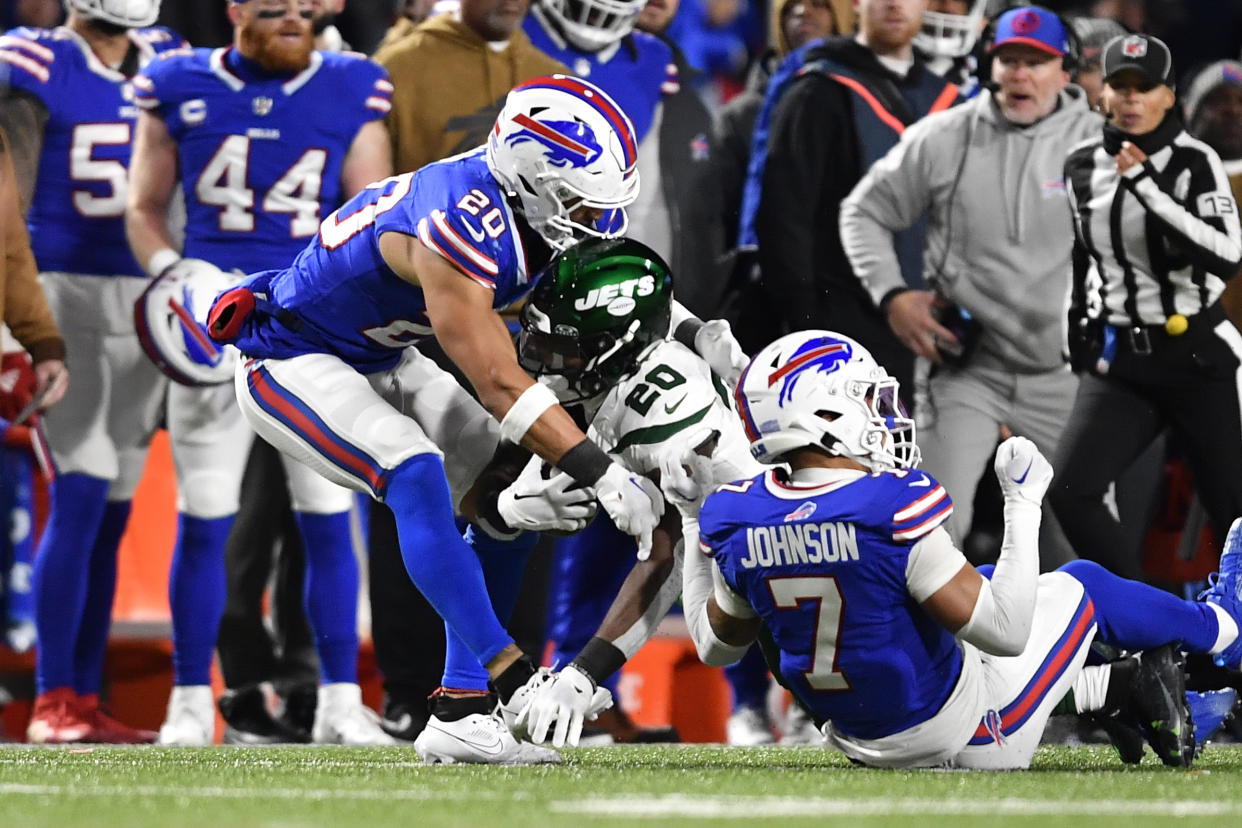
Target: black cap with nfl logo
1139,53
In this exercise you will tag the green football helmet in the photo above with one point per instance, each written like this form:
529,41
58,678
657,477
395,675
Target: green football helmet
596,311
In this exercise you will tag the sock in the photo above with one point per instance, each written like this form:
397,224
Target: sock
61,572
331,593
196,592
1135,616
504,563
749,680
513,677
1090,690
92,643
440,563
451,708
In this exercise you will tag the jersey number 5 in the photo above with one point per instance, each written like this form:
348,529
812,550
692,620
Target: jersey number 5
83,166
792,593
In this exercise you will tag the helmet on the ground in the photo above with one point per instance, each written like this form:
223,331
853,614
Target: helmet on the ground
592,25
822,389
131,14
171,320
596,311
561,144
951,35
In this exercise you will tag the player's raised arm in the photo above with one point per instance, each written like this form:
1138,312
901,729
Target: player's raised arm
152,180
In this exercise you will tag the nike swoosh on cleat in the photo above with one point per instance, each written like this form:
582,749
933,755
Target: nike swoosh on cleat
493,746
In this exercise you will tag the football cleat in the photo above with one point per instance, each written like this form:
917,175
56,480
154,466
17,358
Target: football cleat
509,710
1224,591
403,720
478,739
799,727
748,727
191,718
342,719
107,730
248,720
1158,704
56,719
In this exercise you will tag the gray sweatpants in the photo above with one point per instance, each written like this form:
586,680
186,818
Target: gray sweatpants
959,425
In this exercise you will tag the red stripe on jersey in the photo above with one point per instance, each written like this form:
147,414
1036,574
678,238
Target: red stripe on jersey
30,65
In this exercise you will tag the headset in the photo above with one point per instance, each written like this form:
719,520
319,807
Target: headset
1071,61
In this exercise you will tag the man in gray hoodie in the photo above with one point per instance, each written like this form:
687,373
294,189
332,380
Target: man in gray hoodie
988,175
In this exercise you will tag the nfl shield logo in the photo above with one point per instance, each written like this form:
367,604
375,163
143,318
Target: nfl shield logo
1134,47
261,106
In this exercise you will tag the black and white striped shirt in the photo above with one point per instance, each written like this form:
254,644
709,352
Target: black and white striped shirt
1162,239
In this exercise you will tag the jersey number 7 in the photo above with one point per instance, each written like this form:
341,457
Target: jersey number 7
792,593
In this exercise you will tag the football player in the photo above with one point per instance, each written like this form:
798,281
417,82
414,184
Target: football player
597,40
915,657
327,377
68,110
594,330
267,137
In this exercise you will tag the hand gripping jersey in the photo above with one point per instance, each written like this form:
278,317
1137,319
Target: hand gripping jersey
260,156
637,72
76,219
673,396
825,568
340,297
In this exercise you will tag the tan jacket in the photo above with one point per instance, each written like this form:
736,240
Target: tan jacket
23,306
397,31
449,85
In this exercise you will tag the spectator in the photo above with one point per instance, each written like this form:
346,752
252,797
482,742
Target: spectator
997,248
845,109
1157,236
1093,33
409,14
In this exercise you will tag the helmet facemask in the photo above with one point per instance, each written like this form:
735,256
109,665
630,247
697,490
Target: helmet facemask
128,14
950,35
592,25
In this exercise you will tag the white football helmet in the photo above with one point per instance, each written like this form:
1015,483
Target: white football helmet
131,14
592,25
950,35
818,388
559,144
171,320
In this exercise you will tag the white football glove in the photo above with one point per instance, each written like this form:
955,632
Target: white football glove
534,503
1023,472
633,502
569,699
685,477
720,350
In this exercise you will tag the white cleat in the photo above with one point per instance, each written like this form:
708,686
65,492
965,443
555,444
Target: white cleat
799,729
191,719
342,719
748,727
478,739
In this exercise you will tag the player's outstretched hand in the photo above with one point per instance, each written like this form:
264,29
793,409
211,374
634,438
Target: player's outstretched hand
557,503
1023,472
719,348
685,477
569,699
633,502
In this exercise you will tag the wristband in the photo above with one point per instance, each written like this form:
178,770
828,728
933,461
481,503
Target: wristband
599,659
528,407
585,463
161,260
687,331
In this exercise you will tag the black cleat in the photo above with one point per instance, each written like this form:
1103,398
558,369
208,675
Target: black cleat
1158,704
1122,733
248,721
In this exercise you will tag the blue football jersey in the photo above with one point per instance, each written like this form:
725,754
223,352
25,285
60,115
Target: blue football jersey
340,297
77,217
260,155
825,568
637,73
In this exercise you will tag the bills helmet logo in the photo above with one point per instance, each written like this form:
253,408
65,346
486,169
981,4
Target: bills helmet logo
801,513
568,143
825,356
1134,47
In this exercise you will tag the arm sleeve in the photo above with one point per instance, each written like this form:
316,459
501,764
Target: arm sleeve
892,196
1207,226
808,141
698,582
1001,621
933,562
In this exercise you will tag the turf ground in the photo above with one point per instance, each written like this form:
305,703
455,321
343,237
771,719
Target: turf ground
647,786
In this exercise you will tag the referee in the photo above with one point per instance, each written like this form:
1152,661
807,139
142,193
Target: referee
1156,235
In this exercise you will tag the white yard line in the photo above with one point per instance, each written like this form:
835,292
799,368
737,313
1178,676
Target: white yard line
752,807
416,794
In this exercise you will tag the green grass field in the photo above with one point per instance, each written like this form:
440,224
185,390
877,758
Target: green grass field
648,786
